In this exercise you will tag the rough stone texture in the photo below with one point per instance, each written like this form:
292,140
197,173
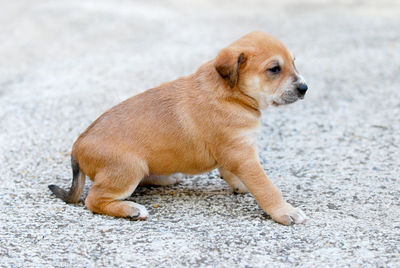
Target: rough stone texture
335,154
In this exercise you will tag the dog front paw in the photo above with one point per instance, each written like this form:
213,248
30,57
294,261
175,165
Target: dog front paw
288,215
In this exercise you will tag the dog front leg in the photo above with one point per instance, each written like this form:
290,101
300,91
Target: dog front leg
263,189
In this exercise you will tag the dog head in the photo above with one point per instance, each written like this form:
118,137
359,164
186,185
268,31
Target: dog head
261,67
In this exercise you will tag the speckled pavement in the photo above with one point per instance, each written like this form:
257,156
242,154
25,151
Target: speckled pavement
335,154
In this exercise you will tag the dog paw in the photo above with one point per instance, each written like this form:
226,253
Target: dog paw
137,212
239,188
288,215
175,178
237,185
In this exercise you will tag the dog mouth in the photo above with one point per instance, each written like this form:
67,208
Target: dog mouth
286,98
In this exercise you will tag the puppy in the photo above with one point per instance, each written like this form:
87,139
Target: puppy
207,120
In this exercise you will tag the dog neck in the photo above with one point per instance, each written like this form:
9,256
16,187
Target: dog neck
206,74
245,100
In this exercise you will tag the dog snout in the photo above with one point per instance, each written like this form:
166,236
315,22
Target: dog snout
302,88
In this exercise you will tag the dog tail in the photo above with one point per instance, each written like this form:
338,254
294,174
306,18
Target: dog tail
78,182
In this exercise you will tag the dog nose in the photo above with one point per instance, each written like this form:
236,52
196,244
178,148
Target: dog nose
302,88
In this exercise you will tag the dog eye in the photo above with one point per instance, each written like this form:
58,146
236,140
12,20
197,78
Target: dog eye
275,70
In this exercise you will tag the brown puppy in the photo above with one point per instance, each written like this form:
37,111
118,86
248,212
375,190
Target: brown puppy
207,120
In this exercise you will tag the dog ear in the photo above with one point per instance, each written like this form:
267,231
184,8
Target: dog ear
228,64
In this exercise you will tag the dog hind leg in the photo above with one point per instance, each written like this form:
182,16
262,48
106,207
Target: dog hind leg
112,186
235,183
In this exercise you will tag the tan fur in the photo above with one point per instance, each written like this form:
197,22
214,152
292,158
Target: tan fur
191,125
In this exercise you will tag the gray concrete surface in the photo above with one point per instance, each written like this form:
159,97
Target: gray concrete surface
334,154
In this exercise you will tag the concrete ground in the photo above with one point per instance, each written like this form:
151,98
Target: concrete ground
335,154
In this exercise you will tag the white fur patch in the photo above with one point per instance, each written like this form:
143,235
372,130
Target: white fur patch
253,84
143,213
260,95
264,100
301,79
250,136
